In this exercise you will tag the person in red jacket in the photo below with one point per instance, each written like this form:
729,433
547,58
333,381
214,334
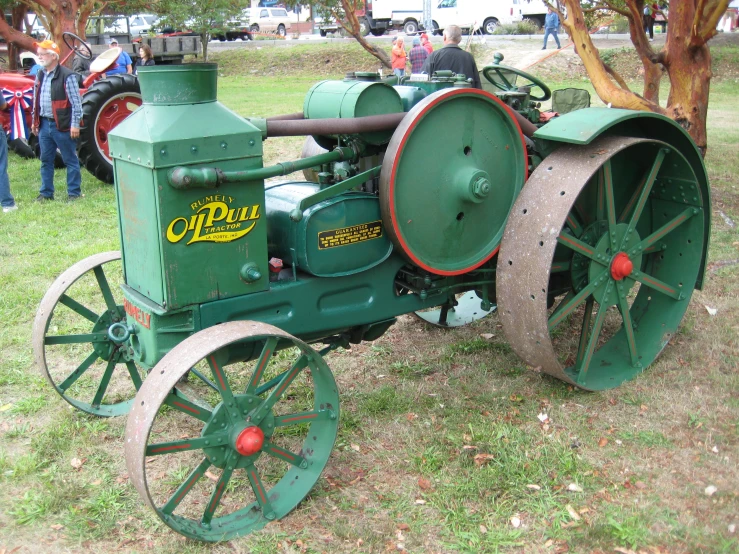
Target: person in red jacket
426,43
399,59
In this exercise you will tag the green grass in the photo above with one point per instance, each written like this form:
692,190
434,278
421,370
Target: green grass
439,429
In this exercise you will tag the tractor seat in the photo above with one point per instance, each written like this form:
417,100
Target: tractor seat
568,100
105,60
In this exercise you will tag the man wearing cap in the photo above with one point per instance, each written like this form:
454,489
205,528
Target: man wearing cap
122,65
417,56
426,43
57,110
453,58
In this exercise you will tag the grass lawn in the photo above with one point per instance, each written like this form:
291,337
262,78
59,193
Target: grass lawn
627,468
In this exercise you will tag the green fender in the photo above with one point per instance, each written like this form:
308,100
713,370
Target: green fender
584,126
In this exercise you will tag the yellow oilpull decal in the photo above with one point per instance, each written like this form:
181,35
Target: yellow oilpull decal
217,218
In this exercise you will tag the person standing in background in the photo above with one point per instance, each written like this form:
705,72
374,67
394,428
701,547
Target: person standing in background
398,58
146,57
57,110
417,56
551,25
426,43
6,198
453,58
122,65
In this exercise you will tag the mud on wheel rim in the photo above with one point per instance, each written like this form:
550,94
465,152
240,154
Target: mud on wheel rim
241,443
599,259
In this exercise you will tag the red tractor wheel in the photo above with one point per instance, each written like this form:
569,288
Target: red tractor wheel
105,104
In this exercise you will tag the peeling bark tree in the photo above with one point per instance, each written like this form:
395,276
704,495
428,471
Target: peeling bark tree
685,59
60,16
347,14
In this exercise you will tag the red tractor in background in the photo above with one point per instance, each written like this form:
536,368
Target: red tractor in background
105,103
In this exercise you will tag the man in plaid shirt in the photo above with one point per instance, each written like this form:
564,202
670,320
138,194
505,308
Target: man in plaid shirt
57,110
417,55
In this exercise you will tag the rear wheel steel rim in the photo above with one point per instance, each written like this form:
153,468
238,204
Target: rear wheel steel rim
599,259
225,463
71,343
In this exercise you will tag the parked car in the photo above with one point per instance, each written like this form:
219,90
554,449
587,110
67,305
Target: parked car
267,20
141,24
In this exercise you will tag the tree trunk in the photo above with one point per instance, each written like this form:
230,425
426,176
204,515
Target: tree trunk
353,27
204,39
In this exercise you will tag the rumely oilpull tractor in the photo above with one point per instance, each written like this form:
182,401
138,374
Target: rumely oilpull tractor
588,233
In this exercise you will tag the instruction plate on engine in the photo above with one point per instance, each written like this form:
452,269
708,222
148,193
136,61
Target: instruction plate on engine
349,235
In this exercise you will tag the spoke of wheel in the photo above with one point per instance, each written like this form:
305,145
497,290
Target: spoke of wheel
637,193
567,309
79,308
269,348
285,455
104,382
610,203
133,371
301,417
560,266
272,383
562,303
181,404
77,373
505,81
623,307
277,393
185,444
221,380
656,284
259,492
580,247
582,369
646,190
585,330
204,379
185,487
51,340
574,225
664,230
104,287
584,215
215,498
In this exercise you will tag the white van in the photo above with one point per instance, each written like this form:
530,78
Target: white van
475,14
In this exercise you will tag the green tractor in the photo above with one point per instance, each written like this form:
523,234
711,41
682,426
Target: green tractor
211,327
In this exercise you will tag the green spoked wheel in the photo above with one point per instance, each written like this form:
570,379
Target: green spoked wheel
222,460
71,343
599,259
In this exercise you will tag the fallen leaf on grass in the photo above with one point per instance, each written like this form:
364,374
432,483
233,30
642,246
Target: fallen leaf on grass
573,514
356,448
57,526
622,550
424,484
469,447
516,522
210,476
487,336
574,487
404,527
711,311
602,442
533,487
710,490
411,416
641,485
483,529
5,408
482,459
76,463
543,417
420,502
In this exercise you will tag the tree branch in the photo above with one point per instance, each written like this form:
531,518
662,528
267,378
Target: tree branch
616,77
705,29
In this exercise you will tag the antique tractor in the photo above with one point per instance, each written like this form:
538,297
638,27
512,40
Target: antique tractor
588,233
105,103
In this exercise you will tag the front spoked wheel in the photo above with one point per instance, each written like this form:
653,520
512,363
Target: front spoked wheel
244,442
610,238
71,342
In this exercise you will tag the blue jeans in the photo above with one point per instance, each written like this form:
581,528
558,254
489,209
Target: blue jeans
50,138
552,32
399,72
6,199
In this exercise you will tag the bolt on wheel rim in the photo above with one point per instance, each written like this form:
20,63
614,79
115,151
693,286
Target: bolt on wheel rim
71,343
600,258
239,444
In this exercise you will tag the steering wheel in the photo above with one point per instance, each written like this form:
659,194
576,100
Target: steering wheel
77,45
496,74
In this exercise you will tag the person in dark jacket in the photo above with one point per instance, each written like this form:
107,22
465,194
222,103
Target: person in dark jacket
453,58
57,110
551,25
80,65
146,57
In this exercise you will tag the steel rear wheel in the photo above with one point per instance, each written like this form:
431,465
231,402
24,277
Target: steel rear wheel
244,443
71,343
599,259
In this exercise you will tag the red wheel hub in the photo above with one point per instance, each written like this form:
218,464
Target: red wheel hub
250,441
115,110
621,266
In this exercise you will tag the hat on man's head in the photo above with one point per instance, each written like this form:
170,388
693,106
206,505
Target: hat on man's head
424,35
416,41
49,45
113,41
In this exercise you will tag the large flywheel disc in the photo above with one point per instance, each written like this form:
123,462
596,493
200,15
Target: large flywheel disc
449,179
